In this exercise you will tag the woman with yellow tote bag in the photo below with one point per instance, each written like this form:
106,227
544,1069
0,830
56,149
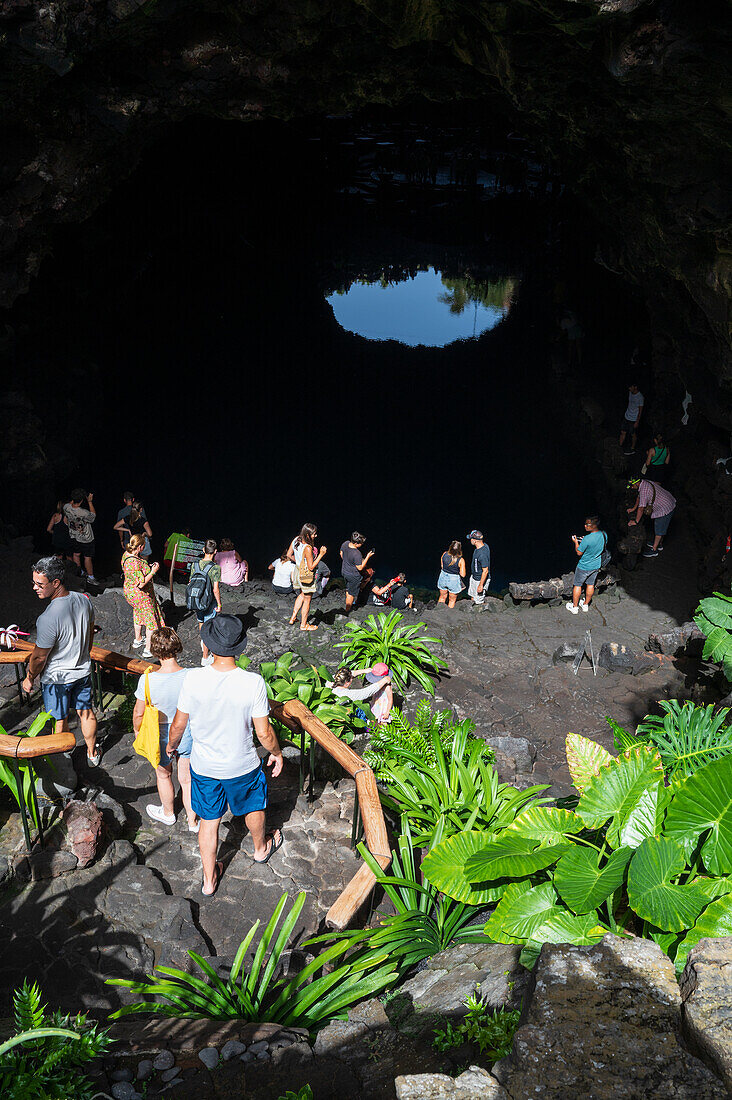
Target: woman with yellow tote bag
147,742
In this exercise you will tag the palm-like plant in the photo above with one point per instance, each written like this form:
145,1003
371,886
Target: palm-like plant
398,734
687,736
455,794
425,921
405,649
44,1059
22,794
258,993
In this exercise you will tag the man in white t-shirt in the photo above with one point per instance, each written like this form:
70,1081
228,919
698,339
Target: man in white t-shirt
225,705
631,421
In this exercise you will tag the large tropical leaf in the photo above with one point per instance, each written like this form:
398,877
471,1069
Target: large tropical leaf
616,794
584,759
444,868
688,736
511,857
545,823
534,913
715,923
703,805
652,893
582,883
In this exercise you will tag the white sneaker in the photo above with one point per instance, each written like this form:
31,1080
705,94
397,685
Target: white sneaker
194,828
93,761
146,653
157,813
584,606
137,643
571,608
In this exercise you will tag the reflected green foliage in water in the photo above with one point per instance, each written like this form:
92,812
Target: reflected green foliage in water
467,291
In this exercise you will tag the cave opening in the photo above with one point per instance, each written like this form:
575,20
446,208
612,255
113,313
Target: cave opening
194,321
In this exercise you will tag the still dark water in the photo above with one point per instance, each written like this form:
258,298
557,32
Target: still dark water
194,317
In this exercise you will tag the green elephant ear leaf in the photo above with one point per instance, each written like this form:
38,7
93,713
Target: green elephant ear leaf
583,884
444,868
584,759
545,823
511,857
703,804
715,922
531,913
617,793
652,894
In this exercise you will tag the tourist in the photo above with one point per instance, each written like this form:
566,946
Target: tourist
393,594
450,582
354,567
81,514
480,568
58,529
234,569
657,502
657,459
225,705
209,598
129,501
282,569
304,573
589,549
322,580
139,591
62,653
632,419
165,686
135,523
378,689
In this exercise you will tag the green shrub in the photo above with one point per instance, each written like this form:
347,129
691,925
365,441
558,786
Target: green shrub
452,794
308,684
44,1060
390,740
405,649
687,737
425,921
714,618
636,854
491,1029
259,993
305,1093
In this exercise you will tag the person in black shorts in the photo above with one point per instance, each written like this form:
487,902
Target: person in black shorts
354,566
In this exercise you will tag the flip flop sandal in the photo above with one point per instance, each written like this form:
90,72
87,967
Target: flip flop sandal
273,847
217,881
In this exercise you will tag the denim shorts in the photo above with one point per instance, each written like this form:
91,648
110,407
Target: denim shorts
585,576
244,794
449,582
184,747
60,699
661,524
204,617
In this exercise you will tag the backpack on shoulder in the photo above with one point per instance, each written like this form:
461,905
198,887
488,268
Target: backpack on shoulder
199,590
605,556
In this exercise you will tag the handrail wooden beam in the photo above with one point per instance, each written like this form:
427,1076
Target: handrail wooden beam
120,662
28,748
295,714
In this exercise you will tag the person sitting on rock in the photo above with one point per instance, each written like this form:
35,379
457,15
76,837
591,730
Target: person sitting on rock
234,570
393,594
589,549
282,569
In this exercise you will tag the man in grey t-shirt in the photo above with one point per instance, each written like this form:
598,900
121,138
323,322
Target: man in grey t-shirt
62,655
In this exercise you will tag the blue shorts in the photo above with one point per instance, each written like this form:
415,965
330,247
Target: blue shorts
661,525
449,582
184,747
585,576
60,699
244,794
204,618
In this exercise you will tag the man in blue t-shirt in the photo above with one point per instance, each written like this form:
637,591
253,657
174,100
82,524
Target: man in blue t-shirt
480,569
589,551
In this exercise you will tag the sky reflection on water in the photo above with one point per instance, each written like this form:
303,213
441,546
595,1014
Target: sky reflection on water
428,309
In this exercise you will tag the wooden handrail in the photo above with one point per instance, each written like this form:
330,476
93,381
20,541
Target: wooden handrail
120,662
28,748
295,715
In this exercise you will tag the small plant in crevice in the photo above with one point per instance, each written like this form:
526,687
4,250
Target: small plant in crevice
490,1029
304,1093
45,1058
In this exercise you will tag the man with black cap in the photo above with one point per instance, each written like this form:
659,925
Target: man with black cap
480,569
224,704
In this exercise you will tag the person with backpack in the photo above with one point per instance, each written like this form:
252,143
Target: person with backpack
593,554
139,592
304,573
202,591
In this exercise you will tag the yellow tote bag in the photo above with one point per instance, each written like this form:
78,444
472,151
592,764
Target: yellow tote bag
147,742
